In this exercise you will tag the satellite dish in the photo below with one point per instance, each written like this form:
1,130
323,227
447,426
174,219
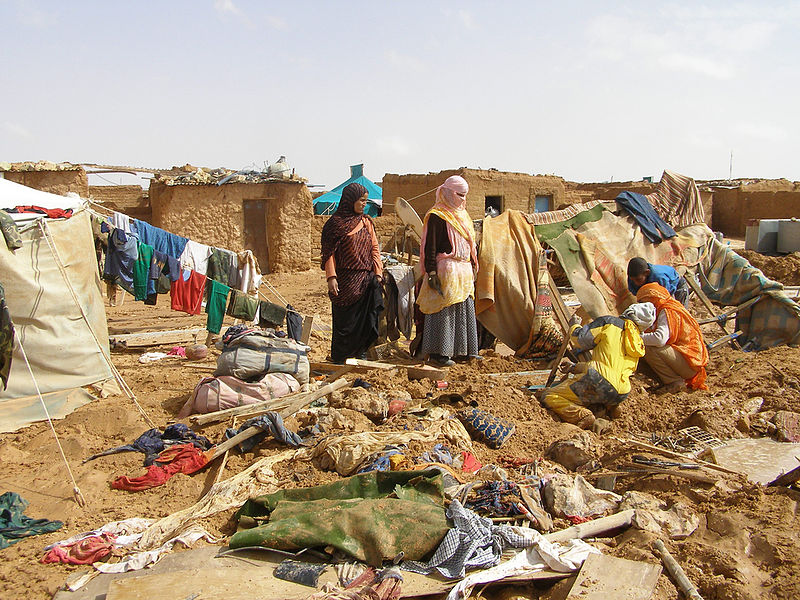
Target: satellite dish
408,215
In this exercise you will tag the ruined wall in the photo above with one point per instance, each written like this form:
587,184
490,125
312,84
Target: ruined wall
578,193
769,199
518,190
55,182
214,215
129,199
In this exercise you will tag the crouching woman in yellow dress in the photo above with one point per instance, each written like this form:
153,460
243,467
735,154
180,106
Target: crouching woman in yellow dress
616,345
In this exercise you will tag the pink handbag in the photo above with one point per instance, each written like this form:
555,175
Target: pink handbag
218,393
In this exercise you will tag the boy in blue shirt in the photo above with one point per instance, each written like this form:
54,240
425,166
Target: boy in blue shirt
641,272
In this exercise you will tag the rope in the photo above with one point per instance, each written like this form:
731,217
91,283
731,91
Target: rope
75,489
422,194
125,388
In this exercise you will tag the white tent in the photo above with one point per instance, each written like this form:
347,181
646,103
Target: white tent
52,289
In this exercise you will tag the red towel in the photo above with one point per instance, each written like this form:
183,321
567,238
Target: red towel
184,458
83,552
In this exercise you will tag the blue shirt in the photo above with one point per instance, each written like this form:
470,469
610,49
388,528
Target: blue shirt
661,274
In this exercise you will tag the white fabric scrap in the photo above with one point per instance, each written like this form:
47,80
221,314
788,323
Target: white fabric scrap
127,531
249,275
121,221
140,560
149,357
543,554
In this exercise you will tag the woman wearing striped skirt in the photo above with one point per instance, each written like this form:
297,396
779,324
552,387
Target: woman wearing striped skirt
447,296
352,263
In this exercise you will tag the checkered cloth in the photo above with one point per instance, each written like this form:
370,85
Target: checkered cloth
474,543
729,279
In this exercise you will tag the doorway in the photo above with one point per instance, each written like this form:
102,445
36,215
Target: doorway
255,231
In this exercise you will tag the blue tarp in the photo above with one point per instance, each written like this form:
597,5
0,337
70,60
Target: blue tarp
329,201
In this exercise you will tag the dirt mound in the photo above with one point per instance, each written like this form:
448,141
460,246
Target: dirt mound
785,269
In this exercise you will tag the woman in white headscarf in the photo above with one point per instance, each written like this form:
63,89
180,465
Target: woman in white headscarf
447,297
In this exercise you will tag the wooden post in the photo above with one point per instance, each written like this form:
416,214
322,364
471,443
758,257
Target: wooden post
686,586
308,323
689,277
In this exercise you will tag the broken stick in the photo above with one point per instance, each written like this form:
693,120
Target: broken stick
593,528
686,586
280,403
672,454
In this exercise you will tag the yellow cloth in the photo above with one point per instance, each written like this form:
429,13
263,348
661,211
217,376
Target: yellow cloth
563,401
454,269
616,353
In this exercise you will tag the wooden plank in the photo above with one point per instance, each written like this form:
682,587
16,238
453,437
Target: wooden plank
678,455
236,583
602,577
537,373
308,324
728,312
360,362
559,307
278,404
359,366
339,373
159,338
426,372
690,280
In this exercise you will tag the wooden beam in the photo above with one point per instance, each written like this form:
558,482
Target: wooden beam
686,586
159,338
689,278
728,312
672,454
308,323
277,404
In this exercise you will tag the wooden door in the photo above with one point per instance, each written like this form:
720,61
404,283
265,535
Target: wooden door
255,231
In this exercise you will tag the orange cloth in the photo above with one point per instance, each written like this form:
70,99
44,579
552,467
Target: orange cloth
684,331
377,263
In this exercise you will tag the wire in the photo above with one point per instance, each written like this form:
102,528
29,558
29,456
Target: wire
117,375
75,489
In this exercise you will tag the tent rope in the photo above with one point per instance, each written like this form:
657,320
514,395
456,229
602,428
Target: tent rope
75,489
117,375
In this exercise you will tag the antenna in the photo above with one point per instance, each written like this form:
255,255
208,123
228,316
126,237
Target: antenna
730,168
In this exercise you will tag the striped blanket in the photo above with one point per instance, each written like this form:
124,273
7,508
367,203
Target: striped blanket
677,200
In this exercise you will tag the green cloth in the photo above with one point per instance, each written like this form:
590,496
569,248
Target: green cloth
141,271
355,515
6,338
14,525
271,315
545,233
10,231
219,265
242,306
215,305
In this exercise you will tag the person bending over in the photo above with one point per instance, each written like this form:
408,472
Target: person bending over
604,380
641,272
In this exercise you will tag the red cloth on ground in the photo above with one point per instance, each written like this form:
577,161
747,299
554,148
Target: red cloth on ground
184,458
177,351
83,552
187,294
470,463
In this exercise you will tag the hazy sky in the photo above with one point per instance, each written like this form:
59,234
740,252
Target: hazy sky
586,90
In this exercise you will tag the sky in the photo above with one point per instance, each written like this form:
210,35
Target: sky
587,90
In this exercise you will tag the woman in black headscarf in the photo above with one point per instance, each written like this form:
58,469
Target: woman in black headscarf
352,263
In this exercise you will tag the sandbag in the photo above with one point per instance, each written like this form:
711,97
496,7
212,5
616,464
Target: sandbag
218,393
250,356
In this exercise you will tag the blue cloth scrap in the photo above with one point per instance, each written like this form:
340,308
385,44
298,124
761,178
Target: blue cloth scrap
653,226
439,454
163,241
123,250
272,424
380,460
153,441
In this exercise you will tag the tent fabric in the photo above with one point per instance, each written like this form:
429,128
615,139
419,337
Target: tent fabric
14,194
59,343
729,279
677,200
512,292
327,203
595,256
